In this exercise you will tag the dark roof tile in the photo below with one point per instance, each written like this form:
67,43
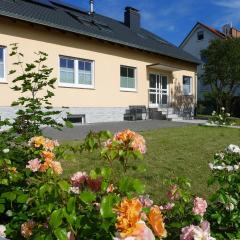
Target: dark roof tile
66,17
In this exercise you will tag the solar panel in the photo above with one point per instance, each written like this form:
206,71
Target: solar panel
66,5
45,3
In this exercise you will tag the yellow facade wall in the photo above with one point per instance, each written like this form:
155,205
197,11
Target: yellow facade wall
107,58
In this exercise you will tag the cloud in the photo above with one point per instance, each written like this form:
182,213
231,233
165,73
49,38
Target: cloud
233,4
229,12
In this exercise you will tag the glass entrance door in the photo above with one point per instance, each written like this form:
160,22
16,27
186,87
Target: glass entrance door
158,90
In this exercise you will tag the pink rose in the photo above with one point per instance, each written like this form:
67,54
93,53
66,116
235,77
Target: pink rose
173,193
146,201
78,178
34,165
200,206
167,207
187,233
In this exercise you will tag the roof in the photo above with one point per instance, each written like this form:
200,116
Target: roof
62,16
212,30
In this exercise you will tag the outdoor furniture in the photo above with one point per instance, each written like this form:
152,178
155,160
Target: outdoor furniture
136,113
77,118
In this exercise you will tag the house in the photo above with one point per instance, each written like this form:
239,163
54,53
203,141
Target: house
198,39
102,65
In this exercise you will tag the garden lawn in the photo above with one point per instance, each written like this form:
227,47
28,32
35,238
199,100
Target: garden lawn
182,151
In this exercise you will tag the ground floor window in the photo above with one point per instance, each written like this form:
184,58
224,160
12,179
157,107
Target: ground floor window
76,72
187,85
128,78
2,63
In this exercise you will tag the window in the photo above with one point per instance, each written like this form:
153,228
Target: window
76,72
66,70
84,72
200,35
128,78
187,85
2,64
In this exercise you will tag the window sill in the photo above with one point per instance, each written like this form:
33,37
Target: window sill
79,86
128,90
3,81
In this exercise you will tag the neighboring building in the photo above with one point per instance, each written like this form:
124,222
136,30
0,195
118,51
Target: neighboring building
102,65
198,39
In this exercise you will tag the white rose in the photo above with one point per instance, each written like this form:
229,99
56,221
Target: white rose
228,114
6,150
229,207
2,231
223,108
230,168
219,167
211,166
236,167
233,148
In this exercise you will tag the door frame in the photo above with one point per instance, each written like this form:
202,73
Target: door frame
158,90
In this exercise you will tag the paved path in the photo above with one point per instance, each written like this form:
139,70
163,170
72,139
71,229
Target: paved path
80,131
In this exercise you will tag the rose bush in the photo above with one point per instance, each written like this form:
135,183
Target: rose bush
225,202
221,119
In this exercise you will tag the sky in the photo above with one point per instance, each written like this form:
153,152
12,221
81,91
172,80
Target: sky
171,19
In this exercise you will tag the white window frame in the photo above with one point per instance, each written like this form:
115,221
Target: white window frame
191,85
4,79
76,70
135,75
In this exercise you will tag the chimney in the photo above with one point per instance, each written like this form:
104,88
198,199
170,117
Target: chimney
227,30
91,2
132,18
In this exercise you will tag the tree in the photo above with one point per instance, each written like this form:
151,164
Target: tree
34,106
222,70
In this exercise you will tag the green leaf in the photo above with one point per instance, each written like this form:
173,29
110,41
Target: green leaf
22,198
106,172
64,185
138,186
56,218
87,196
61,233
71,205
2,208
11,196
107,204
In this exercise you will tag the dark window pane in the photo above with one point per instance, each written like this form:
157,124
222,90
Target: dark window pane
124,72
200,35
130,72
1,54
152,81
88,66
81,65
63,63
164,82
186,80
70,63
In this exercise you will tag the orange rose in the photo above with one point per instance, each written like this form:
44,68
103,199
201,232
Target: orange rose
155,219
49,144
48,156
37,141
56,167
129,214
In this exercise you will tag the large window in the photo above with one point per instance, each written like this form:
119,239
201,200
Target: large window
2,64
128,78
76,72
187,85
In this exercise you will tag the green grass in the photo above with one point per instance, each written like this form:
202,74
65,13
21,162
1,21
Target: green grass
182,151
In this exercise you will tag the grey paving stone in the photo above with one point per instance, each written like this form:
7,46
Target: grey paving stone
80,131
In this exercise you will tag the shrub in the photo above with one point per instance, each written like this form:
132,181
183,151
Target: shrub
221,119
225,202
